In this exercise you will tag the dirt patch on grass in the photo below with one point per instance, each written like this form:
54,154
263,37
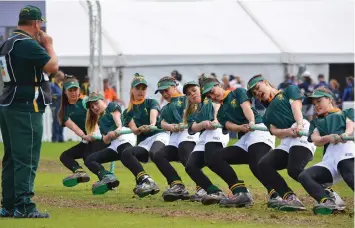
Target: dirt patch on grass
233,215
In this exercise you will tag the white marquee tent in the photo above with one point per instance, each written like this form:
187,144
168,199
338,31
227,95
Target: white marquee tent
242,38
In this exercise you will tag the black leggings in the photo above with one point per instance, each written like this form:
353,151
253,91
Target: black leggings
277,159
167,154
81,150
313,178
193,168
219,161
131,157
94,161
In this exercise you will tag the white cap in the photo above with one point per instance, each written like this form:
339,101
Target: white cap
306,73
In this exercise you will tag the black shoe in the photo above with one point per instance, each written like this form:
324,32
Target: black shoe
5,213
176,192
241,199
34,214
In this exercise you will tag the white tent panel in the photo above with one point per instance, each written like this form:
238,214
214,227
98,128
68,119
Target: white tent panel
308,26
183,28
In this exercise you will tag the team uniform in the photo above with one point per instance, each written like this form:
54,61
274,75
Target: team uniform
148,144
77,113
338,159
106,123
23,100
249,149
179,148
208,140
292,154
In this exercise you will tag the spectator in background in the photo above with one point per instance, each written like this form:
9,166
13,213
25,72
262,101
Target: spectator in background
285,83
348,94
335,88
307,88
226,84
294,80
56,89
110,94
178,77
321,82
84,88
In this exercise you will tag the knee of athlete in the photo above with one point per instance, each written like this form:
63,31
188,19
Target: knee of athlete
157,156
63,157
151,156
294,172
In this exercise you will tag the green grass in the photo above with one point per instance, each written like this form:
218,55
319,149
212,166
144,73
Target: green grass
77,207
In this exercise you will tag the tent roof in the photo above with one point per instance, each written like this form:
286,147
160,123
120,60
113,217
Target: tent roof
156,33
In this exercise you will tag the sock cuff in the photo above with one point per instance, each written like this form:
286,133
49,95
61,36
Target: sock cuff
237,185
272,191
141,174
287,194
176,182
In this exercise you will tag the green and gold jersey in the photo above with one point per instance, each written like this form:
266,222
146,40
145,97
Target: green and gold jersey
76,113
173,112
333,123
106,121
140,114
22,58
279,111
232,111
205,111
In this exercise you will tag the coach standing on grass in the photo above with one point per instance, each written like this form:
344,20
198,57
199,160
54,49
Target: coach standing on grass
23,59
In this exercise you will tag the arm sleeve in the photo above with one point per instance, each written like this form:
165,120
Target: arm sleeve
293,92
34,51
112,107
241,95
127,117
153,104
350,113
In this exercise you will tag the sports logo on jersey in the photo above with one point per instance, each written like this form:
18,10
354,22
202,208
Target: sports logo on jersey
179,103
205,101
280,97
146,110
234,103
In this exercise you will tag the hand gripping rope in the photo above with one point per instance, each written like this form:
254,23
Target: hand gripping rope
255,128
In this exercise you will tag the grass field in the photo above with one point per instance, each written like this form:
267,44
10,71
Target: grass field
77,207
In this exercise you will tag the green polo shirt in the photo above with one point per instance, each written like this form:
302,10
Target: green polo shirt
205,111
173,112
77,113
333,123
231,109
279,111
140,114
106,121
28,58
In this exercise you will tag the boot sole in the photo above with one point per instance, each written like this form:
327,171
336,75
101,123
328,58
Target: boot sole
246,205
290,209
74,182
323,211
152,192
195,200
210,201
172,198
102,189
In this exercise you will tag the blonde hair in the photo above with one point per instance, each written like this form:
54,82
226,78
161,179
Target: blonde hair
336,84
325,89
190,108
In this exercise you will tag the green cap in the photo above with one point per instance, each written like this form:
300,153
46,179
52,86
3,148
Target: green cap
71,84
188,84
30,13
162,85
138,79
319,93
252,83
93,97
208,87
